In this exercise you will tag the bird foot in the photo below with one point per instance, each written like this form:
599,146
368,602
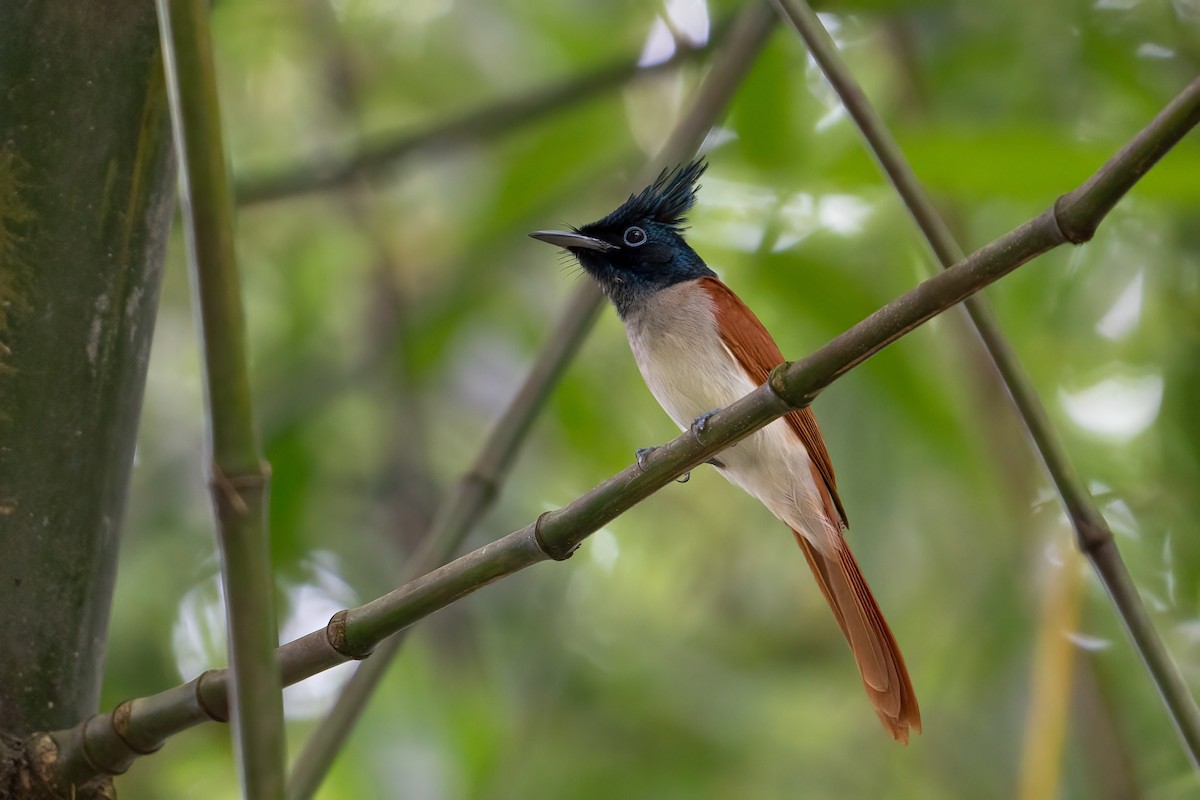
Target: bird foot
698,426
644,452
701,422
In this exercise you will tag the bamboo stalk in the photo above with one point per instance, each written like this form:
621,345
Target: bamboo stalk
238,476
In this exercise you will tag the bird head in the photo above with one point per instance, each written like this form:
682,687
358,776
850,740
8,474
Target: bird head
639,249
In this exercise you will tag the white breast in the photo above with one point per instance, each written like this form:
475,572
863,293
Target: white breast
690,371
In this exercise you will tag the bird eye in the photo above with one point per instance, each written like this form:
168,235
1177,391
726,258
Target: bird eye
635,236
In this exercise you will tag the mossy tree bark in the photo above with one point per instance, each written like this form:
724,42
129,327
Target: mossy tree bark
86,198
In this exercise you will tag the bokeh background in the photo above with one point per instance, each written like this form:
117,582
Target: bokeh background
684,652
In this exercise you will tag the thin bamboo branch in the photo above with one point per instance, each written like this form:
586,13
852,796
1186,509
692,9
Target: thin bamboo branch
475,491
385,150
1078,214
239,477
110,742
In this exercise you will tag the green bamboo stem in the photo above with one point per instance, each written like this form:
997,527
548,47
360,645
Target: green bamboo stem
1078,213
476,490
111,742
239,477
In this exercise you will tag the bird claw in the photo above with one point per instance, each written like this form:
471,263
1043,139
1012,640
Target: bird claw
701,422
698,426
642,453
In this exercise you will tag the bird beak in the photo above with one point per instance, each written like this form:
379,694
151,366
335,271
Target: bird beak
571,241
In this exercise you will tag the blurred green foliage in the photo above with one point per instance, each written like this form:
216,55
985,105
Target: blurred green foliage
684,651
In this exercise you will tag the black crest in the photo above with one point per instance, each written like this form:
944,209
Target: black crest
667,200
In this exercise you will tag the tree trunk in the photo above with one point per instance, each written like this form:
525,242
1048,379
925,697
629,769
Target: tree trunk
86,198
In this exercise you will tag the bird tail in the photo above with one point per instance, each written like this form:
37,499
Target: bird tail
879,661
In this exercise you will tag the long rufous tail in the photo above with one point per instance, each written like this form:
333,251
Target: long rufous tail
879,661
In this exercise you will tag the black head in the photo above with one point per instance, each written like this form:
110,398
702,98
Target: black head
638,249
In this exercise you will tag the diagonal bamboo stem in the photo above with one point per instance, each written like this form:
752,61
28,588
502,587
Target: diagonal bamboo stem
475,491
1078,215
111,742
239,477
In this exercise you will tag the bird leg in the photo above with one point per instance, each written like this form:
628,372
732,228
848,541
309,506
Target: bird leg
698,426
643,452
701,422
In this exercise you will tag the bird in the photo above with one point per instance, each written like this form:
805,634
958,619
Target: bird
699,349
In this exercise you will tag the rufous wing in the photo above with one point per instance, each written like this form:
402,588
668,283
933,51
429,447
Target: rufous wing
841,581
